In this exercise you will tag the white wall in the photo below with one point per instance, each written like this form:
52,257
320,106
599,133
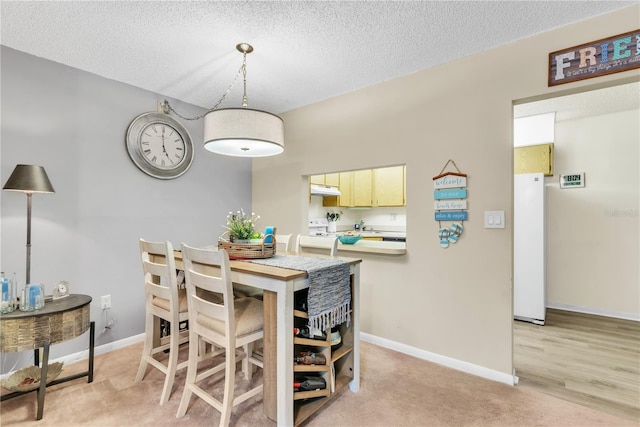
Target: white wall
73,123
454,302
592,233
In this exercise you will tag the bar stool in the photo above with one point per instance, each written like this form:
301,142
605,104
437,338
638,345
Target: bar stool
163,300
237,322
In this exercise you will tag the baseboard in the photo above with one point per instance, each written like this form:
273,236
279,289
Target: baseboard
594,311
449,362
84,355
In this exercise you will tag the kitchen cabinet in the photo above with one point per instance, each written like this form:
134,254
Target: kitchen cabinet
346,189
338,372
533,159
329,179
389,186
362,188
344,182
365,188
316,179
332,180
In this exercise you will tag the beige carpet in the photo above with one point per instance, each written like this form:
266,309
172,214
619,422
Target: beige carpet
396,390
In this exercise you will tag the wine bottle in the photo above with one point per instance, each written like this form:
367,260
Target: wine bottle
310,358
304,332
310,383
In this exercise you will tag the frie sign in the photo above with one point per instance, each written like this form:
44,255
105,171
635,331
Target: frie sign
594,59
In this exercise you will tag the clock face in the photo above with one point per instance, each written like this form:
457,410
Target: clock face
162,146
159,145
60,290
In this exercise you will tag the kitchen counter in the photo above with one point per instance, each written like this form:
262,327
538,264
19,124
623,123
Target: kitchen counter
376,247
369,233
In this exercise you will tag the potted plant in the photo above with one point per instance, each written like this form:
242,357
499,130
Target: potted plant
241,227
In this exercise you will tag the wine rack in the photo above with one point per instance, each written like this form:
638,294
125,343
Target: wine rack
337,372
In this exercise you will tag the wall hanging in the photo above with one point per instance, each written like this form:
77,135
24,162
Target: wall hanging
450,194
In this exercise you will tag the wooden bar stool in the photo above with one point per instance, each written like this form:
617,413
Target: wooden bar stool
163,300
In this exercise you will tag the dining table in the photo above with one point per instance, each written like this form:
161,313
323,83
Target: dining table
278,286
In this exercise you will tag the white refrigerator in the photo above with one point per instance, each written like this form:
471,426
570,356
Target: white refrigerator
529,251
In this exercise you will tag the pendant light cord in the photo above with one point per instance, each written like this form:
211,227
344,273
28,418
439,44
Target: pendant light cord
243,69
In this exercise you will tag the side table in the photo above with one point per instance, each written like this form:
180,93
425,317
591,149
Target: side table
60,320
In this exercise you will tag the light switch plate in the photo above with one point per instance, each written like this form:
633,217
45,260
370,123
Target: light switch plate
493,219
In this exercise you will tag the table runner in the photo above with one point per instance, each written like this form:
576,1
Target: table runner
329,299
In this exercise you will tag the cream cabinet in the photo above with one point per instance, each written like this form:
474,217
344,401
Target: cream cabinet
365,188
329,179
316,179
389,186
332,180
362,188
533,158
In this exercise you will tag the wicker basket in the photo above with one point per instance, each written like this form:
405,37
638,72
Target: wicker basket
249,250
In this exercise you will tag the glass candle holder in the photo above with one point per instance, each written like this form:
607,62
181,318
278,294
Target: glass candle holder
32,297
7,298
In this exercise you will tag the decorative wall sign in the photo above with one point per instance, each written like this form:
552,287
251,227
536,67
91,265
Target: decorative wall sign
450,180
458,193
451,216
450,205
594,59
450,190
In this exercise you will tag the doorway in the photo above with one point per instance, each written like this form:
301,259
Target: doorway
591,267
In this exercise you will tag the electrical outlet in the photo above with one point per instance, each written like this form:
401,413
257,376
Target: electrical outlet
106,301
392,217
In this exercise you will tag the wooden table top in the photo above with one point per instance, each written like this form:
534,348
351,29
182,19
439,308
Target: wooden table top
60,305
245,266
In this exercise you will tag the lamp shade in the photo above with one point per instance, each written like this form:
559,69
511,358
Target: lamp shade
243,132
29,179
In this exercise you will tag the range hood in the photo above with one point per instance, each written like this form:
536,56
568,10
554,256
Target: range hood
321,190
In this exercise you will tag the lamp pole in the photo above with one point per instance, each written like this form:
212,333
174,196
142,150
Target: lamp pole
28,275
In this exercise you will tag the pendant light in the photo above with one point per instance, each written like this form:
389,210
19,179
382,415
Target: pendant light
240,132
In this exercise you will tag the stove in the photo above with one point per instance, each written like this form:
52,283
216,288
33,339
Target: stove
318,226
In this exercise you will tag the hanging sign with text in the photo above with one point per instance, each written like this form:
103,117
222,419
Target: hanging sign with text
450,194
450,205
460,193
450,181
598,58
451,216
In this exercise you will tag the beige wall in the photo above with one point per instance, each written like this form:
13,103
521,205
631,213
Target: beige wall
592,232
455,302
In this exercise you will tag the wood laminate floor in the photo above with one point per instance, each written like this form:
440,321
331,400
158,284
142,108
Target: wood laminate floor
582,358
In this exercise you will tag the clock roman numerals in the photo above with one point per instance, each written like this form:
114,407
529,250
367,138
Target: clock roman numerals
159,145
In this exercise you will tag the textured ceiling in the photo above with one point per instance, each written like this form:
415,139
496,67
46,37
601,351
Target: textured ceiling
305,51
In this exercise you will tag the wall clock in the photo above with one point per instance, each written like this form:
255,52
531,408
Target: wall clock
159,145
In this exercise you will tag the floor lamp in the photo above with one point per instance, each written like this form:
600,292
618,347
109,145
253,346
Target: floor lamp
29,179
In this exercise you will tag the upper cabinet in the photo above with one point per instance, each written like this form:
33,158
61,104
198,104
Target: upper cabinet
362,189
332,180
365,188
316,179
533,158
389,186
